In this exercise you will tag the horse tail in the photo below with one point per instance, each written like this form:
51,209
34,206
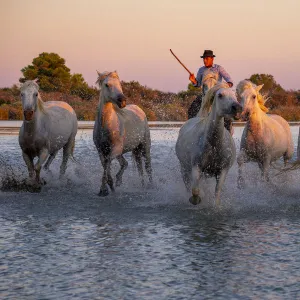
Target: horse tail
136,155
143,151
146,152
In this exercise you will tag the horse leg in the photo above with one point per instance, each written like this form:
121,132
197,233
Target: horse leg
110,180
124,164
43,155
105,161
286,158
30,166
186,177
241,161
147,156
67,151
49,160
265,167
220,181
195,107
137,153
196,175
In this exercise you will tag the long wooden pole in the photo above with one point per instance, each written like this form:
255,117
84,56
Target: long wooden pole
181,62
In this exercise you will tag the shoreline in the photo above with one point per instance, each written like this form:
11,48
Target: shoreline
13,127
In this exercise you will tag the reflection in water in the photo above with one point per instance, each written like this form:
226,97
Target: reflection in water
66,242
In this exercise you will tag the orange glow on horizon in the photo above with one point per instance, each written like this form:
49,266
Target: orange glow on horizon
134,38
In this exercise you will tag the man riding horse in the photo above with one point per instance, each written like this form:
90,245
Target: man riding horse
208,60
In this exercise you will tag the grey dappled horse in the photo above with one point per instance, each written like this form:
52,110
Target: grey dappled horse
204,147
47,127
119,128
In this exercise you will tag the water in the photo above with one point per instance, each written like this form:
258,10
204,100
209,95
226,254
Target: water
67,243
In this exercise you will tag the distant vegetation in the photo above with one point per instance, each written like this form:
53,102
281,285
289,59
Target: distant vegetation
54,76
57,83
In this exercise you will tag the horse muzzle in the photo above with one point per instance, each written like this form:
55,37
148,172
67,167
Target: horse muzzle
236,111
121,101
28,115
245,116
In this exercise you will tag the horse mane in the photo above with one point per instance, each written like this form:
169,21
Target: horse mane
32,83
102,76
247,84
209,99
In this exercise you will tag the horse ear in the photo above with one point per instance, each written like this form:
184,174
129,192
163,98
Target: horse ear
101,77
259,87
36,80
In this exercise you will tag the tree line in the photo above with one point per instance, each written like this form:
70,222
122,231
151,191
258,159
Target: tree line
57,83
53,75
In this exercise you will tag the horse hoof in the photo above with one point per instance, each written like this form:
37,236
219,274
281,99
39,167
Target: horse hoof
35,188
118,182
150,185
103,193
195,200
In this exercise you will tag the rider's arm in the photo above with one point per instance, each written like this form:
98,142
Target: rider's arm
198,78
225,75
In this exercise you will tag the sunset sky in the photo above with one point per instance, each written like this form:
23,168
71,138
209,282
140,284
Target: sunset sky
134,38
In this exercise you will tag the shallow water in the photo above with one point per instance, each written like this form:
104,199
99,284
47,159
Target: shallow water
67,243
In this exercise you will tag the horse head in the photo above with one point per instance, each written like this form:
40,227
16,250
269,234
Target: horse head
209,80
226,104
224,101
111,89
250,98
30,99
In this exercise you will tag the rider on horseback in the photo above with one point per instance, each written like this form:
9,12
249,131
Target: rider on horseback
208,60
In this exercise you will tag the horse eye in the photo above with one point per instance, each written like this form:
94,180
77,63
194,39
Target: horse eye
106,84
22,94
220,95
254,96
35,94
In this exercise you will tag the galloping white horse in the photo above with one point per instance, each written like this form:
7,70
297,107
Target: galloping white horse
119,129
47,127
204,146
266,137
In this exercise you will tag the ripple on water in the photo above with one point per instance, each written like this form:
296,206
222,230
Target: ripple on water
66,242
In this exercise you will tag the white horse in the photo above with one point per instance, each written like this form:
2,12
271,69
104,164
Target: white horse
119,128
204,147
266,137
47,127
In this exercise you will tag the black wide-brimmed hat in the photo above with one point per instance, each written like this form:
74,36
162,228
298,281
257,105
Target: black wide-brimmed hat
208,53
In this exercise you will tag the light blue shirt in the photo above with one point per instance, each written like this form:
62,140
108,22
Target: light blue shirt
215,68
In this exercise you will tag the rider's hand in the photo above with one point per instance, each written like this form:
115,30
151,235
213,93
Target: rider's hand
230,84
193,79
